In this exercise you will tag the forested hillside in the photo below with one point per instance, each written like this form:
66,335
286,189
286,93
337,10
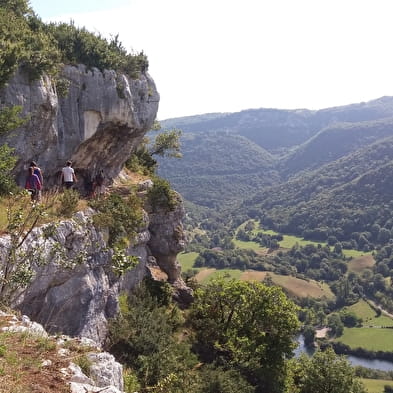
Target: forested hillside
341,198
334,142
215,164
277,130
314,152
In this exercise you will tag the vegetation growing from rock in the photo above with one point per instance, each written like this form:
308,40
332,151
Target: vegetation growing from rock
41,48
161,195
10,119
122,217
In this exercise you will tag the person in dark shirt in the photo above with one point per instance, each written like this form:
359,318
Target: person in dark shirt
33,184
38,172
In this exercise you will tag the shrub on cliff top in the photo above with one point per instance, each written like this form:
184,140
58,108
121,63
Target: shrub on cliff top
161,196
121,216
41,48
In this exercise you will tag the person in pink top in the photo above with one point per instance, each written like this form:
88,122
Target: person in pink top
33,184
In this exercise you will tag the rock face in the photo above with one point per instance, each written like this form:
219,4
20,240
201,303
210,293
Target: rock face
96,124
75,291
166,241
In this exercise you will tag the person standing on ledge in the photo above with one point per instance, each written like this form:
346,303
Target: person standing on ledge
68,175
38,172
33,185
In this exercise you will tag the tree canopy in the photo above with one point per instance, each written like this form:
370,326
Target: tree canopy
246,324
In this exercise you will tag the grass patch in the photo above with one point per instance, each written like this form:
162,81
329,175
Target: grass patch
187,260
358,264
363,310
50,199
356,253
205,275
253,275
294,286
376,385
302,288
250,245
21,369
373,339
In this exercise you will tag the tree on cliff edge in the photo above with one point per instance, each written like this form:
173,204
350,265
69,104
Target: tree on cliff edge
247,326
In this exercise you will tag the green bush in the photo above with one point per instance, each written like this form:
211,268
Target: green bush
161,195
121,216
84,363
41,48
144,338
131,384
7,163
68,203
142,162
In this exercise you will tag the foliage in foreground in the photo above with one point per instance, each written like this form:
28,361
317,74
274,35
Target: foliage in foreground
247,325
237,337
325,372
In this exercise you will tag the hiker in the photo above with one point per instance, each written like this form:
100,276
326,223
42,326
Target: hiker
33,185
99,187
38,172
68,175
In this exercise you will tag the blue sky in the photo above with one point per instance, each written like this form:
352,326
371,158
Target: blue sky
229,55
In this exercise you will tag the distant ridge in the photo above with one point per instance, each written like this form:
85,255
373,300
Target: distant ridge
222,164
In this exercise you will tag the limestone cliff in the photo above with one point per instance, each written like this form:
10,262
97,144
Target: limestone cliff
74,290
96,122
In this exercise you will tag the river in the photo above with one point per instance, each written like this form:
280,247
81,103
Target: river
354,360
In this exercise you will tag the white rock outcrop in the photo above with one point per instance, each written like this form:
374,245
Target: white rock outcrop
97,124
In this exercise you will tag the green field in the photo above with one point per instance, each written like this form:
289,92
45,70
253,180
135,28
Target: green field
187,260
289,241
363,310
373,339
375,385
248,245
213,273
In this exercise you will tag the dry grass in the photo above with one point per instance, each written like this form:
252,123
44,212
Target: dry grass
302,288
21,365
253,275
204,274
32,364
357,265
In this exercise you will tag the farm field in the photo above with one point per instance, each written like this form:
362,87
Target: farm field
373,339
248,245
294,286
358,264
289,241
187,260
376,385
363,310
302,288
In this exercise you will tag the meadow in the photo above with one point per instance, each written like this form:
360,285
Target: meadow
372,339
363,310
292,285
290,240
376,385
